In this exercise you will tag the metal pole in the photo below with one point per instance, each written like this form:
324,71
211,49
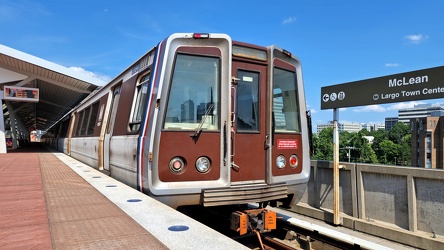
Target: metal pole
336,220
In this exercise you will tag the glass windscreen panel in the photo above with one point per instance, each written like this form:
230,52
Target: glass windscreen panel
194,94
285,101
248,101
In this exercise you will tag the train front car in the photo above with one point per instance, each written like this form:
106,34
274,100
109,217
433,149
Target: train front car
189,147
228,127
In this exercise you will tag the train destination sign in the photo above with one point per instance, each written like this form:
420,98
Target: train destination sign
408,86
21,94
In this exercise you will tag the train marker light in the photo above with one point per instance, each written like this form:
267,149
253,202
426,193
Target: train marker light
294,161
280,162
203,164
287,53
176,165
201,35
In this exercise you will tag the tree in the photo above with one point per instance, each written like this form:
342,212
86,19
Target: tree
388,151
363,151
323,145
379,136
389,147
398,131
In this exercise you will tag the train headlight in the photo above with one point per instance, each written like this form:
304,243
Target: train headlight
203,164
177,165
294,161
280,162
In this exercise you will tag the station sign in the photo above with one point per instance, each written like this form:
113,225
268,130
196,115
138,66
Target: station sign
21,94
409,86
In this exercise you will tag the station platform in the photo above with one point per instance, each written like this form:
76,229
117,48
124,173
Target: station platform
52,201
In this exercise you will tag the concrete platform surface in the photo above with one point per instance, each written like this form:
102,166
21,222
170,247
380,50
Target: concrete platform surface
52,201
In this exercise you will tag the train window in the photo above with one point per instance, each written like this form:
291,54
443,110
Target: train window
92,118
247,101
85,121
194,94
142,91
112,114
80,122
285,101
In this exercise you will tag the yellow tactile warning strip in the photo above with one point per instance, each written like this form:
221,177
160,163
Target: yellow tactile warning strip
82,218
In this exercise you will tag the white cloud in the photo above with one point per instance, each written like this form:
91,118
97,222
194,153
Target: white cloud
104,78
404,105
416,38
370,108
289,20
392,64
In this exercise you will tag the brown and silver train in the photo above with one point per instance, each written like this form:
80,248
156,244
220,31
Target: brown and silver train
199,119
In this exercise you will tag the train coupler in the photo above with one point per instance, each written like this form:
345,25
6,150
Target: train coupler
252,220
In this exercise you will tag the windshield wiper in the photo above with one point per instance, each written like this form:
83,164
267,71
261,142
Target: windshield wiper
196,133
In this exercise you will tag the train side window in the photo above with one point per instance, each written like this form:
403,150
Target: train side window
142,91
92,118
285,101
80,122
85,120
193,99
113,108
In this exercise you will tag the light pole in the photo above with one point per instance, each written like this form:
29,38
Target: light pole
349,148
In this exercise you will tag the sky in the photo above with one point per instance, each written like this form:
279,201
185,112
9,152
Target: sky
336,41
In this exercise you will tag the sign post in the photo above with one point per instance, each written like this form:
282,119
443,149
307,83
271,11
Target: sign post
336,219
408,86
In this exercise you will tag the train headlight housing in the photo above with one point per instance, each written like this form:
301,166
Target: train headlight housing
294,161
203,164
280,162
177,165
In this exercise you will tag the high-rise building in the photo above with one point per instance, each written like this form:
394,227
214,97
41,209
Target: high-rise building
427,141
187,111
418,111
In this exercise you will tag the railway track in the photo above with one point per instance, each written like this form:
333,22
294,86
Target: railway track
285,236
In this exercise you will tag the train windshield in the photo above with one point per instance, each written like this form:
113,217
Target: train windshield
285,101
194,95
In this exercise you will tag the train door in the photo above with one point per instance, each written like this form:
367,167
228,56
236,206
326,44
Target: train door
249,131
109,128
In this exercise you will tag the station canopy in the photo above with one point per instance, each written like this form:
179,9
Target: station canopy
60,88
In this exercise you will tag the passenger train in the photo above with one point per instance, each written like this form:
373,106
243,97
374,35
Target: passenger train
199,119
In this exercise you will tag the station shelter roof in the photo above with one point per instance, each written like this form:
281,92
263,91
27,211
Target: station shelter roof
60,88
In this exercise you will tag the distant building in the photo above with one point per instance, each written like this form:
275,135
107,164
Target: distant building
418,111
370,139
427,142
373,127
187,111
390,122
350,127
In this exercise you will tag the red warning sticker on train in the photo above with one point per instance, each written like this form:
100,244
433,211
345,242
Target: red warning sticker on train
287,144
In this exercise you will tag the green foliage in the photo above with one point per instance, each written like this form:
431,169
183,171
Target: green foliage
323,145
389,147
